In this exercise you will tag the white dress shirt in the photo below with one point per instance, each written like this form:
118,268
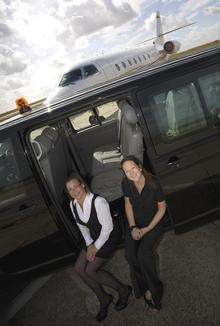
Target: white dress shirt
103,215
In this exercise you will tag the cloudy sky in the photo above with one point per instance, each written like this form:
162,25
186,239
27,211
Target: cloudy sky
38,39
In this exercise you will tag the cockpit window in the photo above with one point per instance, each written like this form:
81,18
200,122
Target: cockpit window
71,77
90,70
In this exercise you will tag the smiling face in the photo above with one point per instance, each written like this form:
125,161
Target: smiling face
132,171
76,189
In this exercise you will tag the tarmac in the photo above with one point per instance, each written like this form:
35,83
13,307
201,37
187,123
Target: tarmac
189,266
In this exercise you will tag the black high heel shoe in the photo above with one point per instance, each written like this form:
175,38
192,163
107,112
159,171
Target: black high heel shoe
123,301
149,304
103,312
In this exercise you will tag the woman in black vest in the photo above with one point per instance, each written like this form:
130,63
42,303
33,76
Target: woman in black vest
93,217
145,207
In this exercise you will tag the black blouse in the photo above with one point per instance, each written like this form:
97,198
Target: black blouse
144,204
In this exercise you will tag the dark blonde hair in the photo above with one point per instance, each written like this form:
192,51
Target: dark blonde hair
77,176
148,176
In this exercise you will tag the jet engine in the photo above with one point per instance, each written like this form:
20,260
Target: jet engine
171,46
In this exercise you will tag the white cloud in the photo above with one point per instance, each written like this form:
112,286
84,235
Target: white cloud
5,31
13,83
168,22
200,35
92,16
212,10
11,61
191,6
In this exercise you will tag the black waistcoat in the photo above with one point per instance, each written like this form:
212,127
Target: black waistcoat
93,223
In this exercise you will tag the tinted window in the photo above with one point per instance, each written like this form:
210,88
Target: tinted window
177,112
108,111
71,77
82,120
90,70
210,85
11,174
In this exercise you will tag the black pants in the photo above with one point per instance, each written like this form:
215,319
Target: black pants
140,255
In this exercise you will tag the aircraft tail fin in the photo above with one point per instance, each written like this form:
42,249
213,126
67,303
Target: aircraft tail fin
159,39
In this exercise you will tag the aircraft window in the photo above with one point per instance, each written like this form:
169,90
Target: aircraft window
139,58
71,77
210,85
90,70
148,55
144,57
130,63
117,67
177,112
123,64
108,111
135,61
82,120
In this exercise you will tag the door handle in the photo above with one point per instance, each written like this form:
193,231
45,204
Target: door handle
173,161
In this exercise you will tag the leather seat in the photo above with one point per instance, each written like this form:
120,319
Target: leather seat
106,171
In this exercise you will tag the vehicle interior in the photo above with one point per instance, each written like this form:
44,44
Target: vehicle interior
92,142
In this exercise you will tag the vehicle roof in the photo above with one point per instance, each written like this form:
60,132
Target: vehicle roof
106,86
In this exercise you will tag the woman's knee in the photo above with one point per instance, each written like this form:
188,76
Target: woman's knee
144,254
90,272
79,269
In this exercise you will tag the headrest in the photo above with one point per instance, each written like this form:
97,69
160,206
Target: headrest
50,133
127,111
43,145
130,114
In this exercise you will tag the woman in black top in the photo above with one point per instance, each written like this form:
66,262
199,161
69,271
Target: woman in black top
93,217
145,207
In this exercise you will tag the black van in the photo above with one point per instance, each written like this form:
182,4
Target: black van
168,116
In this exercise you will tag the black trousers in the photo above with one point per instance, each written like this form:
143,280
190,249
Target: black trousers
141,257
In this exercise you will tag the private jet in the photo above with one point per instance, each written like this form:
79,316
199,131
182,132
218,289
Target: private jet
109,67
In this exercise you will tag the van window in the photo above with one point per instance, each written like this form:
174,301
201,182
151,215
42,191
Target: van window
90,70
210,85
71,77
177,112
108,111
82,120
11,174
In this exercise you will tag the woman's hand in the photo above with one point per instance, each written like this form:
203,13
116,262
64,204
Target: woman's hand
143,231
136,235
91,252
